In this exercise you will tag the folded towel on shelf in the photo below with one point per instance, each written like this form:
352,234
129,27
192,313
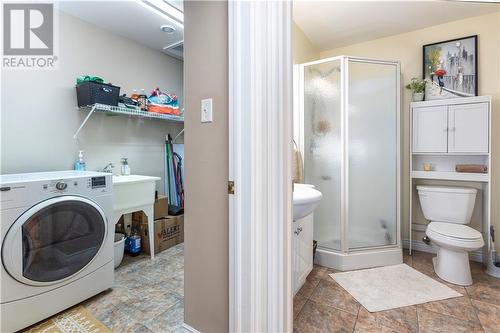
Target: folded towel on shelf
472,168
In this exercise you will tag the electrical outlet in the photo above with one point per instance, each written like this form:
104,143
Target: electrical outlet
206,110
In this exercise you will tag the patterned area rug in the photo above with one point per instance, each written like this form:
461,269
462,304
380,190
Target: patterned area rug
74,320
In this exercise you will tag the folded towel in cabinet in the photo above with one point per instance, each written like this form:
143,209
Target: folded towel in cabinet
472,168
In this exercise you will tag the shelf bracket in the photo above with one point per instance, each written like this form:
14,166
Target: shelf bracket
75,136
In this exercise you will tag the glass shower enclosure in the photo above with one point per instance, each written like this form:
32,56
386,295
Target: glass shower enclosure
347,124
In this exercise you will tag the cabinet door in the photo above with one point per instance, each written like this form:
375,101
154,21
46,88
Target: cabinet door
295,256
305,251
468,128
430,129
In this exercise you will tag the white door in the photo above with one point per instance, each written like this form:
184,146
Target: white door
468,128
430,129
260,155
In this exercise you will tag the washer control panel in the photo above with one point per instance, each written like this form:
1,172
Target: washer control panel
24,190
93,184
61,186
98,182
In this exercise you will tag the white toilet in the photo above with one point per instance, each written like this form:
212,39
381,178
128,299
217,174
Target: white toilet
449,209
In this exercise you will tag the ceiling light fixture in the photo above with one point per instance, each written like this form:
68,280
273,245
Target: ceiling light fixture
164,9
167,29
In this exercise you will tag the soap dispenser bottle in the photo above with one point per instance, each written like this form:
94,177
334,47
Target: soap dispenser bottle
80,162
125,167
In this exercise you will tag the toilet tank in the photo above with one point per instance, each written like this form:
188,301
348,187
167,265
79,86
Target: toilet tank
447,203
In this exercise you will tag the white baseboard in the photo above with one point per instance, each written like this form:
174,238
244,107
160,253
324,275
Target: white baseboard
189,329
418,245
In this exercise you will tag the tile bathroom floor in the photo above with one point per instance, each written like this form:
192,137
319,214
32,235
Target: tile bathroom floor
148,295
321,305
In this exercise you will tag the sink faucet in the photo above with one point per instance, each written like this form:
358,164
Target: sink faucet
108,168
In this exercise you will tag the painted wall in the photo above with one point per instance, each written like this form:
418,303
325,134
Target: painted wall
303,49
407,48
206,269
39,115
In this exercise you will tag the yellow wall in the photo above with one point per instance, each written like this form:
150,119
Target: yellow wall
303,49
407,48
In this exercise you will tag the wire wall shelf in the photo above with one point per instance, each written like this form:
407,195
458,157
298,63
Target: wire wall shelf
119,110
111,110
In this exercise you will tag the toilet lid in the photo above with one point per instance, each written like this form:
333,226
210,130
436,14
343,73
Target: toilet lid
454,230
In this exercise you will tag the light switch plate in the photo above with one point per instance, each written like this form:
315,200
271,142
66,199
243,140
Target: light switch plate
206,110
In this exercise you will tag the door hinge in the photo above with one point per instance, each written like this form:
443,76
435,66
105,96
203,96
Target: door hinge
230,187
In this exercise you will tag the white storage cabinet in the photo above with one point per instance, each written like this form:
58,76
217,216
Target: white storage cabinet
455,129
302,244
445,133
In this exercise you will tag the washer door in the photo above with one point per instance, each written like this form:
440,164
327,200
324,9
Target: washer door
54,240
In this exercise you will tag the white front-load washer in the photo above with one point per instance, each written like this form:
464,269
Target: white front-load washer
57,236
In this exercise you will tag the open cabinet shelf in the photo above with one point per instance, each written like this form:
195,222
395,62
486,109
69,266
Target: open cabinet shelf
450,175
118,110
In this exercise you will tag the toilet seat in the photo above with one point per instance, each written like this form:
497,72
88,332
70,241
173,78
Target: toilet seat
454,235
454,230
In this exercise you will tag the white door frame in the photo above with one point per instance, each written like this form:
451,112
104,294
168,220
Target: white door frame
260,145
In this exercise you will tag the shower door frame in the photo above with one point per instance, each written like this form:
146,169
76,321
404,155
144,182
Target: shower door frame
299,136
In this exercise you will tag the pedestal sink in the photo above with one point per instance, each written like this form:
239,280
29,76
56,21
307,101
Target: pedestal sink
305,199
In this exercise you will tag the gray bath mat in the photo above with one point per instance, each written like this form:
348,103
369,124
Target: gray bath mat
391,287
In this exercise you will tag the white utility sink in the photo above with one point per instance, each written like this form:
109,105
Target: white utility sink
305,200
117,179
133,191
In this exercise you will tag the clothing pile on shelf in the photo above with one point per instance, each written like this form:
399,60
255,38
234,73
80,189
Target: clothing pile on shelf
92,90
161,102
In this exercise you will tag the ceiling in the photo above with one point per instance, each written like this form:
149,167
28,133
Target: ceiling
137,20
332,24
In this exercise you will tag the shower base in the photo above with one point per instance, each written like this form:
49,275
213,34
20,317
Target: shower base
359,259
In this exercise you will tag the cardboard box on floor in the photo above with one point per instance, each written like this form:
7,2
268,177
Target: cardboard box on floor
168,230
160,209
